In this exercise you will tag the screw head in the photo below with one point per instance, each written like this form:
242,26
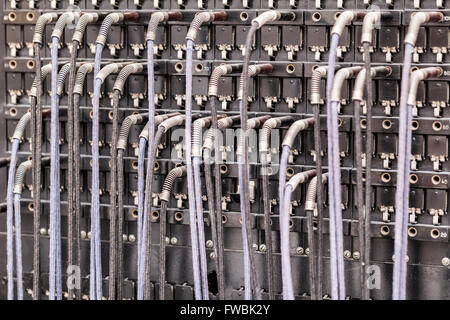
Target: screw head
263,248
174,241
347,254
356,255
167,239
209,244
83,234
43,231
307,251
124,237
299,250
255,247
445,261
89,235
212,255
406,258
131,238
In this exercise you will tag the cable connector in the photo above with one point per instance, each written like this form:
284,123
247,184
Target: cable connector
311,193
294,129
251,124
21,125
42,21
264,136
22,170
301,177
159,17
109,20
201,18
159,119
108,69
173,122
271,16
83,70
127,123
344,19
254,70
223,123
417,19
62,75
45,71
369,22
20,175
339,78
64,19
317,75
174,174
125,73
416,77
218,72
358,87
85,19
197,130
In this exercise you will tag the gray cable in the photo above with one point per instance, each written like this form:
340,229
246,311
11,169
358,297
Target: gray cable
198,281
9,218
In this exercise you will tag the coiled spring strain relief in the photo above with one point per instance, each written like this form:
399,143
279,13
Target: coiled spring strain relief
217,73
85,19
21,126
175,173
42,21
127,123
83,70
316,79
109,20
62,75
20,175
63,20
45,71
123,75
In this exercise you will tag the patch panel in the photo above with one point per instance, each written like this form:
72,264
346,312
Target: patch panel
295,49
